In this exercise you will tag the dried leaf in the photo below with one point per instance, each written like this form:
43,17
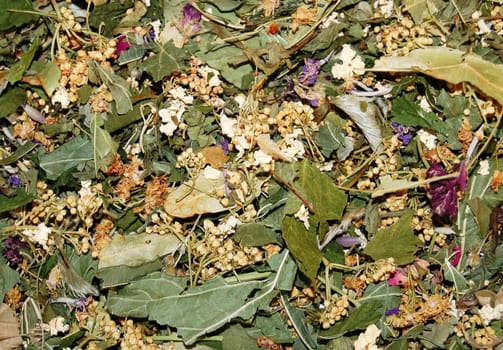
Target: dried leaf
453,66
365,114
118,87
9,329
199,196
270,147
137,249
215,156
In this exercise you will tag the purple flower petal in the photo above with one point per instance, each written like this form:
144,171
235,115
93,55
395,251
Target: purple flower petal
191,21
393,311
310,71
348,241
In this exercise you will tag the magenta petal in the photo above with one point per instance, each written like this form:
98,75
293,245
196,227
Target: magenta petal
457,256
398,278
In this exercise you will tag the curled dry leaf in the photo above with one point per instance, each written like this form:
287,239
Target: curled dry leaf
199,196
9,332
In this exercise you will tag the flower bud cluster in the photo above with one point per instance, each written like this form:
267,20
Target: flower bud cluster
334,310
400,38
378,271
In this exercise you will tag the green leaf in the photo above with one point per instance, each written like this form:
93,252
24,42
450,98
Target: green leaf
104,147
437,336
397,241
117,86
388,295
8,278
9,18
453,66
453,275
20,198
255,234
237,338
199,310
297,318
137,249
11,100
406,112
134,300
71,154
330,135
48,73
17,69
319,189
359,319
421,10
120,275
303,245
272,326
20,152
169,59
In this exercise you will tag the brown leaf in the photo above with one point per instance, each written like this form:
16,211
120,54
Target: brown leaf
215,156
9,330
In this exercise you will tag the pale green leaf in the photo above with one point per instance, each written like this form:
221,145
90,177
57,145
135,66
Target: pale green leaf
199,310
420,10
137,249
169,59
117,86
297,318
8,278
73,153
104,147
20,198
451,65
453,275
48,73
134,300
365,114
404,242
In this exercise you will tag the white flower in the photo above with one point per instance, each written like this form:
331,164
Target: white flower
228,125
428,139
352,64
205,71
181,94
211,173
240,100
56,325
303,215
424,104
156,27
260,157
229,225
291,146
171,117
61,96
367,340
484,167
171,33
488,313
385,6
40,235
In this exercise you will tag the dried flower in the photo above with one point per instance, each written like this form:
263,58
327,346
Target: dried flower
122,45
352,64
15,181
367,340
191,21
348,241
457,256
11,250
310,71
404,132
443,194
